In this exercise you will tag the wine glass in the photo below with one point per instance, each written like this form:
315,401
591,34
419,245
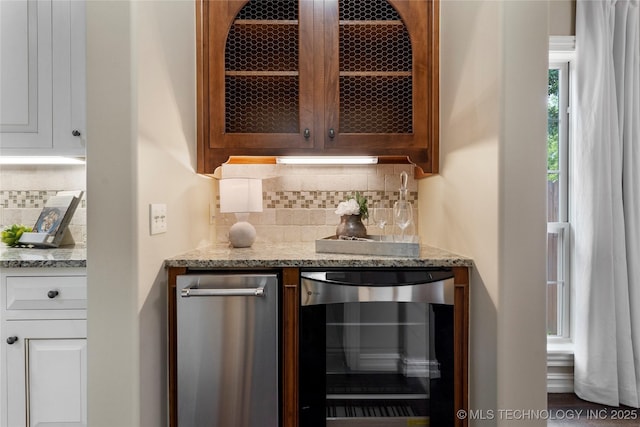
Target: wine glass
402,215
380,215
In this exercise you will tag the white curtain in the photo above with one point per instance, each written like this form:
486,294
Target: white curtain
607,202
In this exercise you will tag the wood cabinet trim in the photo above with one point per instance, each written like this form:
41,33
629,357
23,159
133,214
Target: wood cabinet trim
461,342
202,83
291,296
172,351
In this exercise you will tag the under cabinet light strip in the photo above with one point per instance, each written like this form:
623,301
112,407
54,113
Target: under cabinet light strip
327,160
40,160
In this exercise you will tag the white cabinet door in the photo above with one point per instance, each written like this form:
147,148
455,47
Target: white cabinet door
45,373
69,77
42,77
25,74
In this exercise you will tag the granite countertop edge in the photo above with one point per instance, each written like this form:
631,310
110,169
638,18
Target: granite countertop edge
64,257
303,255
261,255
44,264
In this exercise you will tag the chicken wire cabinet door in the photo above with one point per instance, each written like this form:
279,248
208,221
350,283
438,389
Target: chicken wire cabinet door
322,77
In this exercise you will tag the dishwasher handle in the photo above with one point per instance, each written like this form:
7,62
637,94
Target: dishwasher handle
195,291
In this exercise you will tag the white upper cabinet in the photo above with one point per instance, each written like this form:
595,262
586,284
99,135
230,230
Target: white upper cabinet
42,77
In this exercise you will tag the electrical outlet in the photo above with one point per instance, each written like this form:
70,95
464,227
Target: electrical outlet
157,218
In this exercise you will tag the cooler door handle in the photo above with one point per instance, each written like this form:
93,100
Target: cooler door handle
193,291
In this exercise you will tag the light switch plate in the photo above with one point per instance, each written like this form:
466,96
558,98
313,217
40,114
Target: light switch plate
157,218
212,213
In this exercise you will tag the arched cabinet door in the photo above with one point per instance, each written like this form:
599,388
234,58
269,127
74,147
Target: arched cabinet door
321,77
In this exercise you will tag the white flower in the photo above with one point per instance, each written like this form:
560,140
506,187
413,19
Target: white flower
350,207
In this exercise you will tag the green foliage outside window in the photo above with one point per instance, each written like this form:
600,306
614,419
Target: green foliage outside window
553,125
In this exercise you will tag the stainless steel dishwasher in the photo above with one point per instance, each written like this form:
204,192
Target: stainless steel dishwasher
227,356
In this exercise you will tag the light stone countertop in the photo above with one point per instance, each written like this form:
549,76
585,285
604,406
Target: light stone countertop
64,257
261,255
270,255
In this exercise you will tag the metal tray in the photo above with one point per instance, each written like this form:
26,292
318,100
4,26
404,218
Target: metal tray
373,245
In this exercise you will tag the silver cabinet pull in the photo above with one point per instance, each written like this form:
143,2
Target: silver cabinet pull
197,292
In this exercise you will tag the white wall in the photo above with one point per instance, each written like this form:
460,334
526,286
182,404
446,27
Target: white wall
562,17
113,377
489,200
141,150
522,332
166,138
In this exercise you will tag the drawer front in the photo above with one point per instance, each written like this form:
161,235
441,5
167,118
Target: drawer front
47,293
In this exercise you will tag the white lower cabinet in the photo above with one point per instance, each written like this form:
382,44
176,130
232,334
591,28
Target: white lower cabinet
44,349
46,373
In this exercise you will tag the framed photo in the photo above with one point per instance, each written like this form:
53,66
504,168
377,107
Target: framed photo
49,220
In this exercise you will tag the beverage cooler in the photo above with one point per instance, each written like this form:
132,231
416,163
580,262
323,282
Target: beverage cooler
376,348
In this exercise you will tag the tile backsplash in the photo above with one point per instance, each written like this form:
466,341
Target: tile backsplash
25,189
299,201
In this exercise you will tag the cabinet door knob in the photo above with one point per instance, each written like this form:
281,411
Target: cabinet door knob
11,340
52,294
75,132
332,133
307,133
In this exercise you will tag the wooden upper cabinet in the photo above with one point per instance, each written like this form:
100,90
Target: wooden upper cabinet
318,77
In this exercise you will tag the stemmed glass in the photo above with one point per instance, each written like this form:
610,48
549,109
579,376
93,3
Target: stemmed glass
380,215
402,215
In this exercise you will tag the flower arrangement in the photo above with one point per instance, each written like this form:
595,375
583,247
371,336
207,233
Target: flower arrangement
354,205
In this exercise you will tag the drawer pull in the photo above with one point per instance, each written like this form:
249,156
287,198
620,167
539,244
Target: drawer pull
12,340
52,294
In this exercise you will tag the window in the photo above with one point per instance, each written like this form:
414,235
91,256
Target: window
558,229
